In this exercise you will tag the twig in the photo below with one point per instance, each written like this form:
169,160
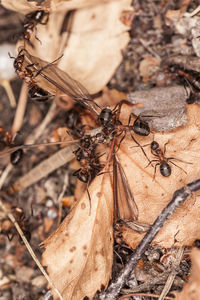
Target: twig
6,84
193,13
11,217
178,198
52,112
172,276
132,283
147,285
21,107
142,295
65,184
44,168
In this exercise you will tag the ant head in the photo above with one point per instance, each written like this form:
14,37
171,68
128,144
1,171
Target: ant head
18,62
154,145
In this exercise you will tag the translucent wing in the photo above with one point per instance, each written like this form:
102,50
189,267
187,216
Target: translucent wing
57,80
125,206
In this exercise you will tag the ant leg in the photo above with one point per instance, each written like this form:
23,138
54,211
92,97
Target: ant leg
150,163
89,195
165,147
173,158
140,147
120,141
178,167
36,36
154,175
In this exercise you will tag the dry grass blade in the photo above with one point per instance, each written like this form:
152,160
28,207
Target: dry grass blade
11,217
79,254
172,276
47,166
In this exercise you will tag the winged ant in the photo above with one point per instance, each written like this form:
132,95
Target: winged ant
109,119
26,74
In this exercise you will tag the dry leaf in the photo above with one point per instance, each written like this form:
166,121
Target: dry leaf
191,290
92,49
24,6
73,252
148,67
151,196
79,253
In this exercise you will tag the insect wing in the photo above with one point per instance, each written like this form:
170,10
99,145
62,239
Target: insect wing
13,149
57,80
125,206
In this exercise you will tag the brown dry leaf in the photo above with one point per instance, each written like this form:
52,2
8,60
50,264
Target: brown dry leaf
92,49
148,67
79,253
73,253
110,97
151,196
24,6
191,290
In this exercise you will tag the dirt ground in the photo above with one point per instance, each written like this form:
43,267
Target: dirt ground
150,36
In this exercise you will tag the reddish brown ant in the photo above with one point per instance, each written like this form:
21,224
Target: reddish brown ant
31,21
26,74
9,140
112,125
190,77
8,228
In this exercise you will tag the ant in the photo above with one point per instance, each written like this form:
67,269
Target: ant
8,140
88,160
109,119
191,77
8,229
31,21
165,169
35,92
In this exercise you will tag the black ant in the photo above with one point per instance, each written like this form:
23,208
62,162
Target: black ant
109,119
165,169
31,21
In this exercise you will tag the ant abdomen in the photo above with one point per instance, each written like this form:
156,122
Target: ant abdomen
165,169
16,157
141,127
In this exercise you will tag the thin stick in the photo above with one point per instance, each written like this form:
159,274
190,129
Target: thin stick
6,84
44,168
52,112
178,198
21,107
65,184
11,217
142,295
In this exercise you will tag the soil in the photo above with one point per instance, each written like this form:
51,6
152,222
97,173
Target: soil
150,36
